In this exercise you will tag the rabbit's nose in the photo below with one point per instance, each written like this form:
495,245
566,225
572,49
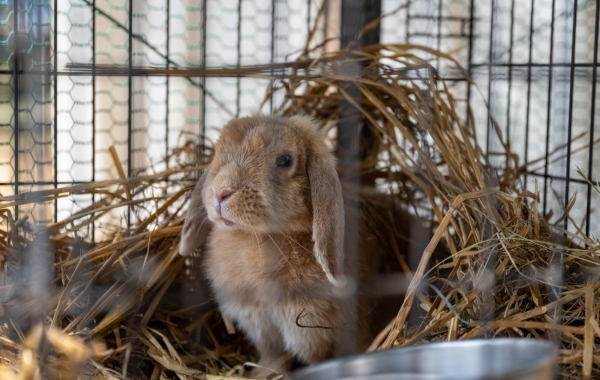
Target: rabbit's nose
224,194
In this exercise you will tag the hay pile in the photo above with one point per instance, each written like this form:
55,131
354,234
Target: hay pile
513,271
126,306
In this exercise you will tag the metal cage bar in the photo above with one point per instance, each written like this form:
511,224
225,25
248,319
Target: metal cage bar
592,122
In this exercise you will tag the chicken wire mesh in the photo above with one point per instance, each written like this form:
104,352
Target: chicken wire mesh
56,127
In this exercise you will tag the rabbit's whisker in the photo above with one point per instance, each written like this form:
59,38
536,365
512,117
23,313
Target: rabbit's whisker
262,261
199,229
203,221
284,256
295,241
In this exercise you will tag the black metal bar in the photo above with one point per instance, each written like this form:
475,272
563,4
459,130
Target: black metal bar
130,102
570,115
548,111
93,105
470,56
528,105
445,18
308,18
352,135
439,32
557,260
135,74
355,15
42,183
581,65
488,304
203,81
167,80
588,207
49,183
348,136
488,139
273,44
327,12
449,35
407,22
55,105
510,58
16,97
239,59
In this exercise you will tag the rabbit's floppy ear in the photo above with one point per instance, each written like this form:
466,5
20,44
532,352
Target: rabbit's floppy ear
196,226
328,216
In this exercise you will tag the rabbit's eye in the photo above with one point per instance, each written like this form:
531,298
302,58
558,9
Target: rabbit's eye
283,161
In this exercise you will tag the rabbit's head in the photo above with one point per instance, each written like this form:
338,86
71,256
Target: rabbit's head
271,175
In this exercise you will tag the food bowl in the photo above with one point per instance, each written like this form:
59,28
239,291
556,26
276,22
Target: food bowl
478,359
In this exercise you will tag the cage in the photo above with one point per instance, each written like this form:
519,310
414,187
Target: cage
77,106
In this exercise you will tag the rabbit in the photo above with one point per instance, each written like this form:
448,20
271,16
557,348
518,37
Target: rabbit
270,209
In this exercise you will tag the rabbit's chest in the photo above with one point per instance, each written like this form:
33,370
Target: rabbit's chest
236,279
258,271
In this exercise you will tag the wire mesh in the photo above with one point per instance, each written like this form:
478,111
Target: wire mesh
61,125
533,63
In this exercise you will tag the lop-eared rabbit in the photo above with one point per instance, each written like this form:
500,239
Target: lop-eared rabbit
270,210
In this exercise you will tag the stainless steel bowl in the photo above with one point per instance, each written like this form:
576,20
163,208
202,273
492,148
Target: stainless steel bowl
489,359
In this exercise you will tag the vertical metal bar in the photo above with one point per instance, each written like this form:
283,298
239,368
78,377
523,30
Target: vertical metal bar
93,105
203,82
549,109
510,61
352,130
326,22
40,174
470,56
439,33
55,104
528,105
570,116
16,97
488,296
130,87
273,43
488,140
239,58
37,270
348,141
167,79
406,22
588,208
130,102
308,18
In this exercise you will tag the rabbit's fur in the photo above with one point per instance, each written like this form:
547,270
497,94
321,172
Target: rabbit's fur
275,244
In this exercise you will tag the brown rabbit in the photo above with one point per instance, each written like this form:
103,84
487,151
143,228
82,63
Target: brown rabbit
270,205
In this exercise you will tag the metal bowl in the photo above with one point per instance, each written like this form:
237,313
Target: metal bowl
479,359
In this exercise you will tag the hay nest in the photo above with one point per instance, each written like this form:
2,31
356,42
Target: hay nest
109,308
514,272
